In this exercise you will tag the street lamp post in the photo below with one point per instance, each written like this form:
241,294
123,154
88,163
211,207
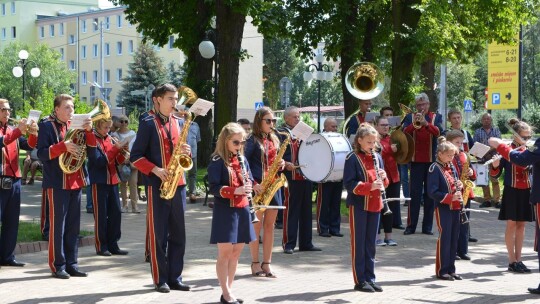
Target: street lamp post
209,50
20,69
322,72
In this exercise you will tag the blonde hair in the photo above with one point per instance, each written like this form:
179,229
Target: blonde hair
443,145
228,131
453,134
101,122
365,129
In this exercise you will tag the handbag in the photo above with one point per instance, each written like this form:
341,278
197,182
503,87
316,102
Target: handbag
125,173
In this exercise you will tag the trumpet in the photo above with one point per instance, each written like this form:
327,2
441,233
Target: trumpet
417,121
17,121
124,151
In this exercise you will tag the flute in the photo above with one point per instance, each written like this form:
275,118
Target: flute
246,180
386,209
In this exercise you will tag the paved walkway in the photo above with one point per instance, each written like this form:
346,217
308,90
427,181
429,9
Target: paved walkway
405,272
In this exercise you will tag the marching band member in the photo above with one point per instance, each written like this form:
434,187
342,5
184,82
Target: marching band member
329,198
102,163
297,217
456,137
364,200
455,118
424,126
63,190
10,181
515,206
527,157
151,153
444,188
353,123
393,189
231,219
261,151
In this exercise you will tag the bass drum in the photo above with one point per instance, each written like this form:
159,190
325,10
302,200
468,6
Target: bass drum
322,157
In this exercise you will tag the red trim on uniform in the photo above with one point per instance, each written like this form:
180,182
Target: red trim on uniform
227,192
353,243
96,217
152,237
319,206
51,229
447,199
144,165
90,138
285,216
57,149
32,140
362,188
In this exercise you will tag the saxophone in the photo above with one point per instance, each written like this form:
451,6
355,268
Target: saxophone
271,183
468,185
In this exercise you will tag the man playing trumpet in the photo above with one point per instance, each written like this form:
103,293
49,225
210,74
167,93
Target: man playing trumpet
10,180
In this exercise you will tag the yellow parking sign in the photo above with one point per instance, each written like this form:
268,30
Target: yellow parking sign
503,76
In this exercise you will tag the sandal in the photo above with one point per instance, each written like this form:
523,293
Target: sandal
268,273
257,273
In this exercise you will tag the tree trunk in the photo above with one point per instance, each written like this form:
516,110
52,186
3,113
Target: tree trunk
349,57
405,23
427,72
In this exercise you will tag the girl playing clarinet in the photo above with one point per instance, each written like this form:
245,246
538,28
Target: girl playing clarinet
444,187
230,182
364,182
515,206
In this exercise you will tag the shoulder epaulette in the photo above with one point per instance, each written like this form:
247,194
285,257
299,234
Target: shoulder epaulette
349,155
432,167
216,158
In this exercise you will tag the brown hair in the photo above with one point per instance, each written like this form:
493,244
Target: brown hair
452,112
387,108
443,145
257,125
453,134
60,98
163,89
518,125
364,130
228,131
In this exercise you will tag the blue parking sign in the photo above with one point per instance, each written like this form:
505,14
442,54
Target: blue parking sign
258,105
467,105
496,98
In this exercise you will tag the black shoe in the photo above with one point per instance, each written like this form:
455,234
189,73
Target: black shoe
458,258
473,240
325,234
61,274
147,259
406,204
400,227
485,204
427,232
288,251
534,290
223,301
337,234
364,287
77,273
446,277
523,267
408,231
465,257
13,263
498,205
311,249
456,276
179,286
514,267
279,226
104,253
89,210
375,287
119,252
164,288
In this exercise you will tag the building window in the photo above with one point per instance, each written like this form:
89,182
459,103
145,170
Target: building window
171,42
72,64
41,32
3,33
83,26
119,75
94,50
61,29
107,50
13,7
94,76
51,30
96,23
130,46
3,9
62,53
119,47
84,79
92,92
107,76
71,39
13,32
119,21
108,23
83,52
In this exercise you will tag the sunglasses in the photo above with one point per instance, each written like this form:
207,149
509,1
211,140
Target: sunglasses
124,121
526,137
269,121
238,143
4,110
384,125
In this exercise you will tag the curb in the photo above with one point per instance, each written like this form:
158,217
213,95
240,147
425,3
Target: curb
22,248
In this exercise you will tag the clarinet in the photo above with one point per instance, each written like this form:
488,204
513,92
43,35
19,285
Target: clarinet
462,215
386,210
240,157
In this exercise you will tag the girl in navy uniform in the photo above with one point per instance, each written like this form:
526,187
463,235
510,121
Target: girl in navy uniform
456,137
231,221
364,185
515,206
444,188
261,150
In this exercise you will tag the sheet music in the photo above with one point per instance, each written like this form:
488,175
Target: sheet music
370,117
394,121
201,107
77,121
479,150
33,116
302,131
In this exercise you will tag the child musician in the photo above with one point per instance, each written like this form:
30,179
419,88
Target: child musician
444,187
364,182
515,206
230,182
456,137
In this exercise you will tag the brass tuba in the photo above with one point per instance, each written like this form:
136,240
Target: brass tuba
179,162
69,162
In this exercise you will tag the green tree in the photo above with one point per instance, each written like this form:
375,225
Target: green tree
147,68
54,74
176,74
531,64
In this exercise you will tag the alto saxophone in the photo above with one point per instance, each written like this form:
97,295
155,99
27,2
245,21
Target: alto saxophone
271,183
468,186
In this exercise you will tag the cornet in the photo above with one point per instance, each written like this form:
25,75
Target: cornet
30,128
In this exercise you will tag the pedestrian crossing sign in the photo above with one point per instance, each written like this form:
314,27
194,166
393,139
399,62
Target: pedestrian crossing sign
467,105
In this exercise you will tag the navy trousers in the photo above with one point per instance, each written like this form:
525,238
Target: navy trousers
10,209
364,226
107,216
167,235
65,222
448,225
328,207
418,192
44,223
297,217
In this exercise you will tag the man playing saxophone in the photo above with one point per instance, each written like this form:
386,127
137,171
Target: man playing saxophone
157,138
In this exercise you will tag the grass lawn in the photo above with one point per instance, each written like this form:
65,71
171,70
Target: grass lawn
30,232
